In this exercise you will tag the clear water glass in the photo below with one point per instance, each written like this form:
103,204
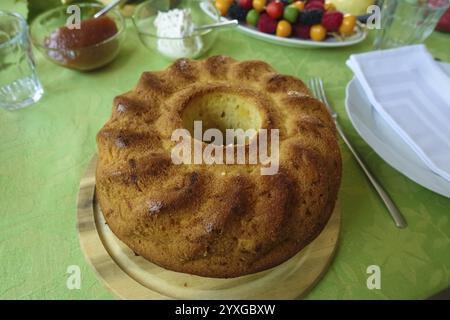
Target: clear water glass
406,22
19,84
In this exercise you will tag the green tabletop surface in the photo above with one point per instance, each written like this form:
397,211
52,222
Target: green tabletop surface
45,150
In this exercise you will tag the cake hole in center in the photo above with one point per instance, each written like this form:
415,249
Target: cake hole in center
222,111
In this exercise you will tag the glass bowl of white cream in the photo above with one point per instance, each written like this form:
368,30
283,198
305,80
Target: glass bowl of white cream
169,27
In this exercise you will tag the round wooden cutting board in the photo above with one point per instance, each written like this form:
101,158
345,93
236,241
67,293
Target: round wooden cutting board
132,277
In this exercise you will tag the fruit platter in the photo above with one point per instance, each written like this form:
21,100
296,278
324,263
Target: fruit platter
309,23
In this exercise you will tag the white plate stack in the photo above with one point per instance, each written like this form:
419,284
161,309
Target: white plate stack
399,102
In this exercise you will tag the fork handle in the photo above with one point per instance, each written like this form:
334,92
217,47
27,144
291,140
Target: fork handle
396,215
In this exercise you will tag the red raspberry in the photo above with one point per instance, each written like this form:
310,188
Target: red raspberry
302,31
246,4
315,4
332,20
267,24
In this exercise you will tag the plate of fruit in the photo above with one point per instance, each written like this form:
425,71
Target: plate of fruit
309,23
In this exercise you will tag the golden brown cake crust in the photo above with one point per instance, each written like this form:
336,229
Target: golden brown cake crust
216,220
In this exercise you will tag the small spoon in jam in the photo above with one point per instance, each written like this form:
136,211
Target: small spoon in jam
107,8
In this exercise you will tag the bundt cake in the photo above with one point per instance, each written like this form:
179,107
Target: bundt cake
219,220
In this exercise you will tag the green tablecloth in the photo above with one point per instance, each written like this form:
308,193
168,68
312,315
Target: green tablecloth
46,148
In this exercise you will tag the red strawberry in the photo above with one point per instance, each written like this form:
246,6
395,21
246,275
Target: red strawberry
246,4
444,23
302,31
267,24
332,20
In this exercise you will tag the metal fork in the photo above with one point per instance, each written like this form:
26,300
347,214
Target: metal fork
316,85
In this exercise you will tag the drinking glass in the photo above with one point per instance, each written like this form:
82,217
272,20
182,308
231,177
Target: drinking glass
405,22
19,84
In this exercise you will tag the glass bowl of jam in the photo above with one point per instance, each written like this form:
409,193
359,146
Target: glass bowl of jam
83,44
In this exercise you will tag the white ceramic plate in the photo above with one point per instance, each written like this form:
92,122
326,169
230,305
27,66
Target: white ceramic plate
387,143
360,35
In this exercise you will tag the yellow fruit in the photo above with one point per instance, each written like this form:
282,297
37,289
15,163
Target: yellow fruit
353,7
347,26
330,7
284,29
300,5
318,32
259,5
223,6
